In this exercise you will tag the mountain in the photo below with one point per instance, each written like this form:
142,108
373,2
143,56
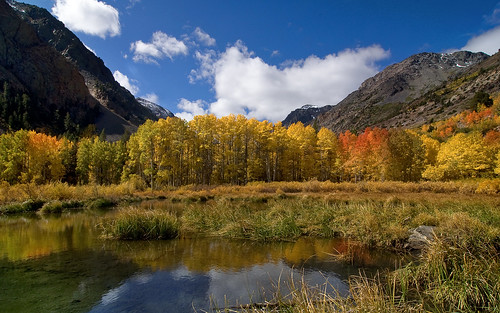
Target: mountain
47,82
306,114
158,111
117,109
385,99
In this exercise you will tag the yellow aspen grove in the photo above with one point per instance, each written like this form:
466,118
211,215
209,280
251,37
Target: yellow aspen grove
44,159
279,144
407,156
235,150
328,155
204,142
13,156
462,156
143,154
259,151
301,152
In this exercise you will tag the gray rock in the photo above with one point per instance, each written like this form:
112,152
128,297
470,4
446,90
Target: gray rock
420,237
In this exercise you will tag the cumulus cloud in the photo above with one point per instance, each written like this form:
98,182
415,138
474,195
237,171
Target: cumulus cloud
88,16
161,46
191,108
152,97
126,82
203,37
244,83
487,42
206,69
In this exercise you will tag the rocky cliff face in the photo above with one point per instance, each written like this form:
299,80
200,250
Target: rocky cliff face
119,110
381,100
33,67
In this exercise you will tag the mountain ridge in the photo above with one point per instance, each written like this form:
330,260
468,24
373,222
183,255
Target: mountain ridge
117,109
384,99
385,96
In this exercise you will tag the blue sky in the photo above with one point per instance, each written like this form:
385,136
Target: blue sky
264,58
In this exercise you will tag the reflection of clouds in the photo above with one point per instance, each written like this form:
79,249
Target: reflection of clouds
113,295
143,278
259,282
181,290
182,273
158,291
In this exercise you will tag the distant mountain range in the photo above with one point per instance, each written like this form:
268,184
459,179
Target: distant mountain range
41,58
305,114
420,89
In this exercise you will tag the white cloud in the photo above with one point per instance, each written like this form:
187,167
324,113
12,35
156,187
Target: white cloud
244,83
206,69
152,97
487,42
203,37
191,108
161,46
275,53
92,17
126,82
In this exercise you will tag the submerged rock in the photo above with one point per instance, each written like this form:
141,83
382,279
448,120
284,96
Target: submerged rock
420,237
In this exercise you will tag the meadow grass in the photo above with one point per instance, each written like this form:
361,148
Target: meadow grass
129,190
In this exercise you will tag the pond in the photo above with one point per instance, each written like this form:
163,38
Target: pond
60,263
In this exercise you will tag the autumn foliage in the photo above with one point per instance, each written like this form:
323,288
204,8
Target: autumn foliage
235,150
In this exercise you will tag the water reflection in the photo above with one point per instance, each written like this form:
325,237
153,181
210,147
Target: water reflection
60,264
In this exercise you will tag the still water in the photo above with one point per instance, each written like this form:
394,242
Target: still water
60,264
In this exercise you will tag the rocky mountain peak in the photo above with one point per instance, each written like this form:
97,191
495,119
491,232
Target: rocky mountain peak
159,111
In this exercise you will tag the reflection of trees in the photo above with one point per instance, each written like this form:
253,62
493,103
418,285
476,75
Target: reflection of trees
23,238
204,254
341,256
197,255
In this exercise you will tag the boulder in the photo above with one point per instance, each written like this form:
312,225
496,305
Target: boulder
420,237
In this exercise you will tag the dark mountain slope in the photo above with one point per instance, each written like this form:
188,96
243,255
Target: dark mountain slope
31,67
115,99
